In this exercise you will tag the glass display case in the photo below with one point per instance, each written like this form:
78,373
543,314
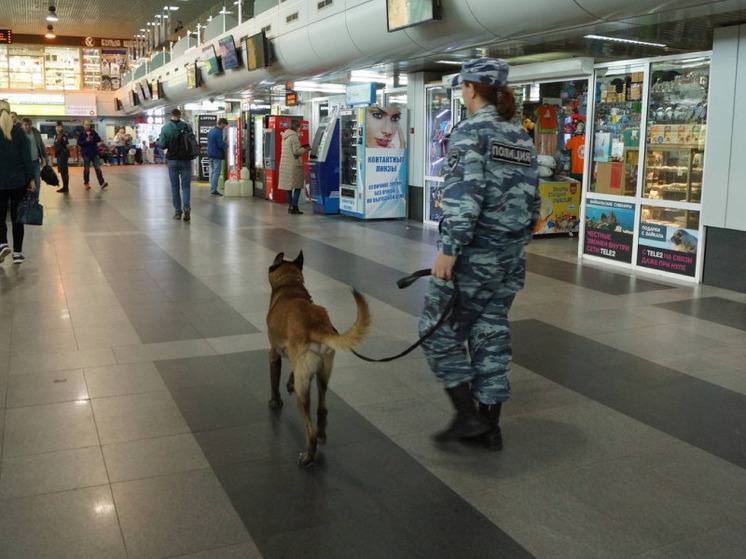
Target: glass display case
439,123
91,68
62,68
677,128
26,67
616,132
439,114
4,78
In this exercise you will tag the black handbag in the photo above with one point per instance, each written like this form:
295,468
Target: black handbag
30,211
49,176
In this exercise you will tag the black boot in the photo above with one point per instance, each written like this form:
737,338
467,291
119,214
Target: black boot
467,423
492,439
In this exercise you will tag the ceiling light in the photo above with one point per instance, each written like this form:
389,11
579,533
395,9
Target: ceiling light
172,8
628,41
52,14
50,32
143,30
451,62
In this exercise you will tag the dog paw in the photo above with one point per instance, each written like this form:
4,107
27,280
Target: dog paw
305,459
275,404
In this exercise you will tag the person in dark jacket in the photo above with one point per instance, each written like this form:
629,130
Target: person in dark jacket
37,150
63,155
216,147
16,178
88,142
179,171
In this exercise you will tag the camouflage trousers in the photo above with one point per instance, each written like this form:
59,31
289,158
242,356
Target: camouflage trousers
475,347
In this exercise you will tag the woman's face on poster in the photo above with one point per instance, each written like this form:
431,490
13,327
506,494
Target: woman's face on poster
383,127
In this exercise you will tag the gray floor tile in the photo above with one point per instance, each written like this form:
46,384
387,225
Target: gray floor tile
22,363
138,416
37,429
642,500
51,472
80,524
106,336
119,380
153,457
727,542
46,388
241,551
200,516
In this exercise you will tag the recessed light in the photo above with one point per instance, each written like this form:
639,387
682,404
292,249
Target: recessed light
452,62
627,41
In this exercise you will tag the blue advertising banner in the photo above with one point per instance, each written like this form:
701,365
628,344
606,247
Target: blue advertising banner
386,177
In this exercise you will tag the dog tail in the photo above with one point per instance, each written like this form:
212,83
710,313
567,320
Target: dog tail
357,332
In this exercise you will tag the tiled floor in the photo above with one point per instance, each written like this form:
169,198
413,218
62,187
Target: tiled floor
133,390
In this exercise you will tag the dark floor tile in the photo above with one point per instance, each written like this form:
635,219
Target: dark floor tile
364,496
605,281
164,330
715,309
695,411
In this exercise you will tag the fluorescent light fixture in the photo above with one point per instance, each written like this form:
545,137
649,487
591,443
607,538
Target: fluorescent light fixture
451,62
319,87
143,30
172,8
627,41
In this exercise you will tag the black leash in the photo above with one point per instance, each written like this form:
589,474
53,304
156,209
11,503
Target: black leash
403,283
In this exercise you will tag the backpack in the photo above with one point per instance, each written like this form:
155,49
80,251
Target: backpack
183,145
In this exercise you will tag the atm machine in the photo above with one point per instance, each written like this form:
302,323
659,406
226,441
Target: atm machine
274,126
374,179
324,162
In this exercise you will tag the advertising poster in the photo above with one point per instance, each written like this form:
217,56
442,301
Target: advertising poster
435,199
560,207
205,123
669,249
609,227
113,65
386,177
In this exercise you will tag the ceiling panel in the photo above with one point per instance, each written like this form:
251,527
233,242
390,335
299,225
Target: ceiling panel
94,18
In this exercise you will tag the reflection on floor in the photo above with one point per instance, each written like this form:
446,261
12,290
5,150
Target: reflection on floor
134,422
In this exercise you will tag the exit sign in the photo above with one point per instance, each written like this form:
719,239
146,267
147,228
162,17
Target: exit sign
6,36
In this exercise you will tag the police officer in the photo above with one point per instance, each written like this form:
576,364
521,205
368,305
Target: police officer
490,203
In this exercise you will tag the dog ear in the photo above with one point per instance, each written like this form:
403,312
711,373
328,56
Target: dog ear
279,259
299,260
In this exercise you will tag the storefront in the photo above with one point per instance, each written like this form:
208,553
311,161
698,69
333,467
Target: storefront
644,177
552,101
61,67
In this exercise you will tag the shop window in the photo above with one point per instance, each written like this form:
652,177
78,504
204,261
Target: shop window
292,17
668,240
323,4
26,67
677,126
616,133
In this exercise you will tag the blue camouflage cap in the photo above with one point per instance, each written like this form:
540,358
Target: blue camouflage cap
490,71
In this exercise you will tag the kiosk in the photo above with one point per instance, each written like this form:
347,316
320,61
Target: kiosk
324,165
274,126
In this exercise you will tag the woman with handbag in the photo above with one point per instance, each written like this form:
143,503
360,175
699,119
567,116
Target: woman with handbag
16,178
63,155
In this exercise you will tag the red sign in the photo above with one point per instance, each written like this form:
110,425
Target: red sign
6,36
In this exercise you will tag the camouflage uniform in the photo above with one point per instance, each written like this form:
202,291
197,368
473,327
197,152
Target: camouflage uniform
489,205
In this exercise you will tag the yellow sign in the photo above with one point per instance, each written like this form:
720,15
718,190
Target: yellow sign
560,207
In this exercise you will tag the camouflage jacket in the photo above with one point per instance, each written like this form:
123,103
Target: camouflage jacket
491,190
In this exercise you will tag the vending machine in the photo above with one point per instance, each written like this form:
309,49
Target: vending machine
274,126
324,165
373,162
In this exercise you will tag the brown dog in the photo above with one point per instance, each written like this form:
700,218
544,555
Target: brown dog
302,332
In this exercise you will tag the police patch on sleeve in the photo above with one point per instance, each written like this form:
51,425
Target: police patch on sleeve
452,158
506,153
